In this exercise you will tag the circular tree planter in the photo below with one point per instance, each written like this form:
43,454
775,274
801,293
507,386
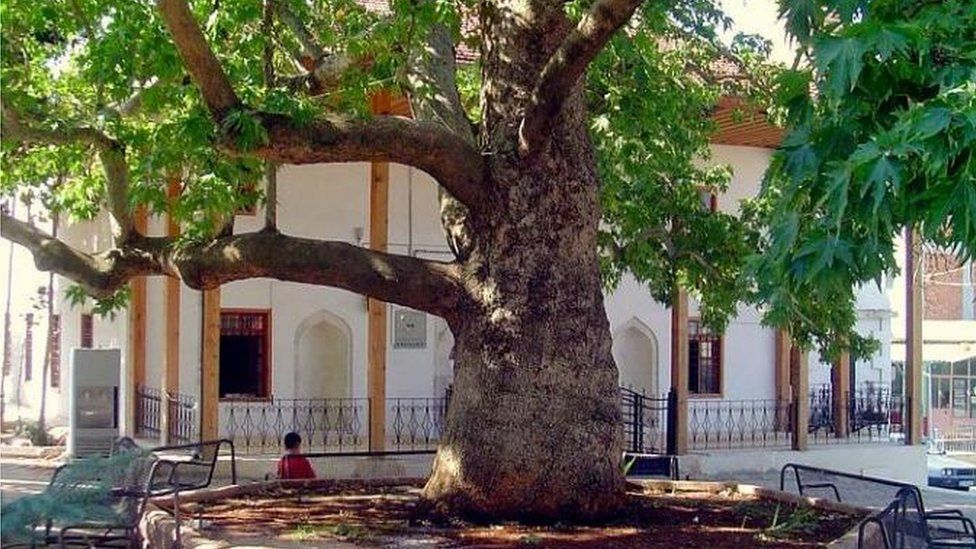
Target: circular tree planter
385,512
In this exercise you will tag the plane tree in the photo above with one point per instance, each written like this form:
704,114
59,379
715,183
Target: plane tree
570,148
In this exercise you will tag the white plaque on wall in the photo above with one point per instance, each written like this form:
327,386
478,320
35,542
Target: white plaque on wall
409,329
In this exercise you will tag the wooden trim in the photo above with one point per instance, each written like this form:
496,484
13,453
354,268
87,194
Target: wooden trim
210,365
914,275
137,325
377,311
268,363
840,388
170,382
781,389
679,368
800,382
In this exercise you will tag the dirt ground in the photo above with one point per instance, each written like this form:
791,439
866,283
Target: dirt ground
395,516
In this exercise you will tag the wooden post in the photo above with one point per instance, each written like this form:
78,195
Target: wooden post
137,334
840,390
679,370
781,391
170,382
210,366
913,338
800,382
379,190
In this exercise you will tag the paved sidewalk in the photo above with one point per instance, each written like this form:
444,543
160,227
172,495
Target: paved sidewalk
20,476
935,498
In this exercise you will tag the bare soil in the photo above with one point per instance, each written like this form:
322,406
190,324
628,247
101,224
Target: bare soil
396,516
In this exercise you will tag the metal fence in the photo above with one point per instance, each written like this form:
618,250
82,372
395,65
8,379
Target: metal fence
325,424
645,422
873,414
958,440
149,409
748,423
182,409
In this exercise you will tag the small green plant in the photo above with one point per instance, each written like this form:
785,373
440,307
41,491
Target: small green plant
36,434
801,520
628,464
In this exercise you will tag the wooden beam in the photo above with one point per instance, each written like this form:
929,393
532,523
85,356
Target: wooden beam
800,383
210,366
379,219
171,363
781,390
137,332
679,372
913,338
840,390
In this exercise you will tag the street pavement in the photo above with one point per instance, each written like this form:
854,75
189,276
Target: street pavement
20,476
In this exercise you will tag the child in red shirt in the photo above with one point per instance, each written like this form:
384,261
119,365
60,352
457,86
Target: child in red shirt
293,465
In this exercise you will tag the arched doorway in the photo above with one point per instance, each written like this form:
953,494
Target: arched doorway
323,358
635,351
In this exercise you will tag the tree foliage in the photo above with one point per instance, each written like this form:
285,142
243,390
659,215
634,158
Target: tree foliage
882,111
880,106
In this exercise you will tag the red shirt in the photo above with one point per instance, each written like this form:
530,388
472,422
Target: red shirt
294,467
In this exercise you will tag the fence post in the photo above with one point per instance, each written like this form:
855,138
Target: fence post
672,429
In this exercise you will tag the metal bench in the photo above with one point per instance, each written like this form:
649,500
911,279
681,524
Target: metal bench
905,523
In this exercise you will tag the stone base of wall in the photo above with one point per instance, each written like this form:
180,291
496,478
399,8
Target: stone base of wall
892,461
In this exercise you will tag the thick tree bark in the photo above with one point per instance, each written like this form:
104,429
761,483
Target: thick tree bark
533,429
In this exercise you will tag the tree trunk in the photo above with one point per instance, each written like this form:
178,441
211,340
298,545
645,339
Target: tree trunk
48,345
534,425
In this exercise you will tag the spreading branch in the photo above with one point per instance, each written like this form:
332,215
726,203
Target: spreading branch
111,153
413,282
567,65
448,158
453,162
199,59
434,96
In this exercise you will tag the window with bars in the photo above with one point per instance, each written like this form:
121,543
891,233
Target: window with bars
245,365
87,331
55,351
704,360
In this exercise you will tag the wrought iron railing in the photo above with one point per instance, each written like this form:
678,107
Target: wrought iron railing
325,424
149,409
414,423
645,422
872,414
750,423
182,410
183,422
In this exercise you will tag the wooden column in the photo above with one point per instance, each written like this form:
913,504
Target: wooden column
210,366
781,391
137,333
840,390
170,382
679,372
800,383
379,190
913,338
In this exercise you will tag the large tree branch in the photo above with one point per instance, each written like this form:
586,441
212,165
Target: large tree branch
567,65
100,274
432,77
199,59
445,156
425,285
111,153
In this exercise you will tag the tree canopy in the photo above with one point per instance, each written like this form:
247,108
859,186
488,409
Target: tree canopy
101,111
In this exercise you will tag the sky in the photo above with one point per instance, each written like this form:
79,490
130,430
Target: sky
759,17
749,16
